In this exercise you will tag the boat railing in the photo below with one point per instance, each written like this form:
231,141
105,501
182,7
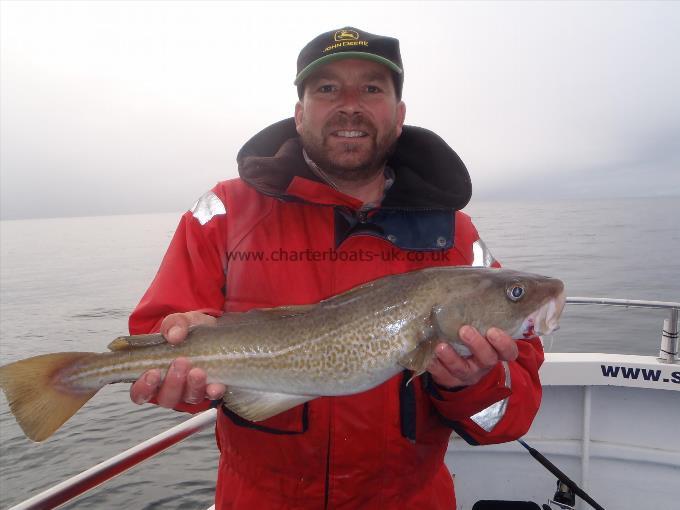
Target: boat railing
87,480
668,351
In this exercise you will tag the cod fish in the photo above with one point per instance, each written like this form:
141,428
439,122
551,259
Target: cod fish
274,359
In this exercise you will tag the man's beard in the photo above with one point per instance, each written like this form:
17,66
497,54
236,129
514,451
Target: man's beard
364,169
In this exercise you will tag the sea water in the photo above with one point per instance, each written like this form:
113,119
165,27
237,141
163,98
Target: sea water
70,284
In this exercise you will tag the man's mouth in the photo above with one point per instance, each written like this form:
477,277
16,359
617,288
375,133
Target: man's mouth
350,134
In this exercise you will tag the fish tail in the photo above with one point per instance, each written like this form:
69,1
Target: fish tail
39,405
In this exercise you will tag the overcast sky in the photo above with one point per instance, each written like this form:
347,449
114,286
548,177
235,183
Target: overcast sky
140,107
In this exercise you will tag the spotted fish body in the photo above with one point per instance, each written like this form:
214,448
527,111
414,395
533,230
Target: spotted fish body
273,359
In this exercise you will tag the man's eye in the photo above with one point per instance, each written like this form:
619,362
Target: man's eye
326,88
373,89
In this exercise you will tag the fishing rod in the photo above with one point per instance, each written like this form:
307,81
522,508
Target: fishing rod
561,477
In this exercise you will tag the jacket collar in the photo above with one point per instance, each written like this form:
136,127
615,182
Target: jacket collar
428,173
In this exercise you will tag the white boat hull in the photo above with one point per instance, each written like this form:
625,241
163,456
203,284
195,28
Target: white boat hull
615,435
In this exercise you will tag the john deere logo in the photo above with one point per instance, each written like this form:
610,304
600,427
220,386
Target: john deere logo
345,38
346,35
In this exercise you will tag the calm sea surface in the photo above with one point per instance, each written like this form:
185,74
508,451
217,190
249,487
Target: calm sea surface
69,284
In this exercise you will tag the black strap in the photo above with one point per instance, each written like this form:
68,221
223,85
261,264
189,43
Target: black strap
242,422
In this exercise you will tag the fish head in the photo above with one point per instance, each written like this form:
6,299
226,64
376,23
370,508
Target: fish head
521,304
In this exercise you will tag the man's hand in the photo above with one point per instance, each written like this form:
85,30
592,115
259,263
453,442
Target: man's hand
450,370
182,383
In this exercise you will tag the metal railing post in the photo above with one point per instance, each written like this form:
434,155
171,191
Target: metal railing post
669,339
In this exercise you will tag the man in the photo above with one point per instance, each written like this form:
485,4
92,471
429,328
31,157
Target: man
340,195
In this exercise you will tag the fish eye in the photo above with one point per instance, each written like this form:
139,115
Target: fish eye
516,292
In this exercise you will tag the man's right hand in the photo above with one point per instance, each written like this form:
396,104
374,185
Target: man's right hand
182,383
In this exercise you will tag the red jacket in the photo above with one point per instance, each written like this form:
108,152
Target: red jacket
279,236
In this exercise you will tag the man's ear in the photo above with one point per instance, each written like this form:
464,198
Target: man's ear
401,116
299,111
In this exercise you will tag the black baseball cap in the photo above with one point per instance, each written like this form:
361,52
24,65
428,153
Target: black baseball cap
350,42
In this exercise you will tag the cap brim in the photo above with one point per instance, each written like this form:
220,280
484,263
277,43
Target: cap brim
341,55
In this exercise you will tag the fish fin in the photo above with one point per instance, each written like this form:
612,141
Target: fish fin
285,311
419,358
260,405
125,343
353,294
39,407
263,314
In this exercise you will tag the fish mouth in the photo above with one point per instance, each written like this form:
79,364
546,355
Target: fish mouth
544,320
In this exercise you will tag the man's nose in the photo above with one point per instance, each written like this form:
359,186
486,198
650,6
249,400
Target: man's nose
350,100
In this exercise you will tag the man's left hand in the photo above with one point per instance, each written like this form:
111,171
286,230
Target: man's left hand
451,370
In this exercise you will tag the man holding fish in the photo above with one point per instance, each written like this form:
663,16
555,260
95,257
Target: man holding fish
348,403
344,174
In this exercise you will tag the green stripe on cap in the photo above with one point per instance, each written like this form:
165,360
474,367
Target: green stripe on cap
345,54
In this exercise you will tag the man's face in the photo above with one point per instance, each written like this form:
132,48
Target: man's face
349,118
